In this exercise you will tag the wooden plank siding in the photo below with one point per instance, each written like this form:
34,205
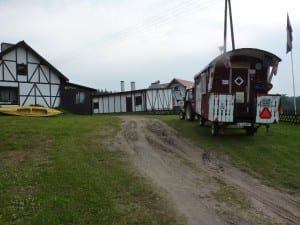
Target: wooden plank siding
144,100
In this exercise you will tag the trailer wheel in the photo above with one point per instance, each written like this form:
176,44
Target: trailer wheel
202,121
215,129
250,130
181,115
189,115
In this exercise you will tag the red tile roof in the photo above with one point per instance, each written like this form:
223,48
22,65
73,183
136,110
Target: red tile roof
186,83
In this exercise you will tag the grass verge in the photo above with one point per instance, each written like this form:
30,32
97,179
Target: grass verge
59,171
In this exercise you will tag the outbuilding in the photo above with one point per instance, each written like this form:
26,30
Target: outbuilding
77,98
143,100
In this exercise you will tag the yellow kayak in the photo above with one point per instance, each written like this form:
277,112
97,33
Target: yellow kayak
29,111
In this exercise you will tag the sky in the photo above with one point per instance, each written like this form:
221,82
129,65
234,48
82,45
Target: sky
98,43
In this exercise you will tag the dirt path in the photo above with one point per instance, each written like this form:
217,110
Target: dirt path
201,187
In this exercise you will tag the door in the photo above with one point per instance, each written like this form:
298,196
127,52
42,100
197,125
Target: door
241,87
128,104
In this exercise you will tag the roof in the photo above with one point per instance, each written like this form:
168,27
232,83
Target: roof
164,85
253,52
80,86
186,83
130,92
157,85
42,60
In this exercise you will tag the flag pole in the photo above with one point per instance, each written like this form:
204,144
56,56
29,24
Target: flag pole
295,105
289,48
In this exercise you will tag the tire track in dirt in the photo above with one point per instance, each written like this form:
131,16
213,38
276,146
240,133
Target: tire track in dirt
189,176
274,203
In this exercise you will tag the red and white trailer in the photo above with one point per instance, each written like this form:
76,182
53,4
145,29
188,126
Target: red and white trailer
233,89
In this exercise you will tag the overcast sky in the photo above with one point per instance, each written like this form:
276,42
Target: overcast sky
98,43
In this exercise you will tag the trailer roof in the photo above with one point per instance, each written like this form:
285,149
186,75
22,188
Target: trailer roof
254,52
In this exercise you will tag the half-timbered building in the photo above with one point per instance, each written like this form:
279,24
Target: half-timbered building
179,88
26,78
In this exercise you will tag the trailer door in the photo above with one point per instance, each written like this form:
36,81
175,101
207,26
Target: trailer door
241,84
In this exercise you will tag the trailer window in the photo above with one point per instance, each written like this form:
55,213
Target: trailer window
190,94
203,84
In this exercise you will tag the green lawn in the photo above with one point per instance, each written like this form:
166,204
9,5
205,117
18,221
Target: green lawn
275,158
59,171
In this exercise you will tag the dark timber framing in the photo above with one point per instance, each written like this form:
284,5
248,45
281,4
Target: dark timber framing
40,82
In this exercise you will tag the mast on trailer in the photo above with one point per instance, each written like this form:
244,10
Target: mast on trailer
228,8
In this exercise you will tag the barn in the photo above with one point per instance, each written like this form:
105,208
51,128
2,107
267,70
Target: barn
26,78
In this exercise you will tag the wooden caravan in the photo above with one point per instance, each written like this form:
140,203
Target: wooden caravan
233,89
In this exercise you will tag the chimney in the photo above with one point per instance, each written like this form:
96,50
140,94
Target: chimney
122,86
132,85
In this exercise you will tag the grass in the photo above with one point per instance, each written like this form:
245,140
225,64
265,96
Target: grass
275,159
232,197
59,171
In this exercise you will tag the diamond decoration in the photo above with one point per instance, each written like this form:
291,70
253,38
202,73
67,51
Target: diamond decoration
239,81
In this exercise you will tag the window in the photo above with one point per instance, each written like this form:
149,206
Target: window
9,95
138,100
80,97
176,88
96,105
189,94
203,83
21,69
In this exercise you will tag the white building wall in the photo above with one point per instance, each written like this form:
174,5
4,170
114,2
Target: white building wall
118,103
25,88
160,99
123,103
10,56
44,88
32,59
111,104
21,55
54,89
44,74
9,84
22,78
54,78
32,68
9,71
